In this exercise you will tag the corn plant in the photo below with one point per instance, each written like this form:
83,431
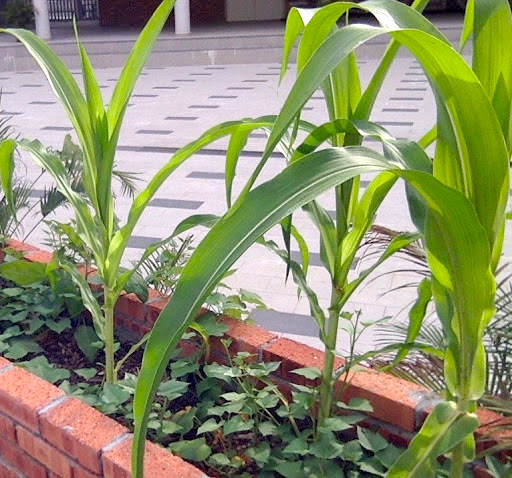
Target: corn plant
98,129
457,202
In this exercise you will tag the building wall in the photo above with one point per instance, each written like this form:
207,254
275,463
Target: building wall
138,12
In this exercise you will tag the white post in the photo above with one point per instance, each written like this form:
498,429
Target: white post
42,19
182,17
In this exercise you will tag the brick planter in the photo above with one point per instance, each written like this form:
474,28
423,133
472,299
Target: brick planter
45,434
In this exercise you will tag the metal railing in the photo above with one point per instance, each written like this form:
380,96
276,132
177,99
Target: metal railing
65,10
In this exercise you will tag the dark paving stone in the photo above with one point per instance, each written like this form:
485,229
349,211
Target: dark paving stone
406,98
411,73
401,110
267,74
395,123
415,67
215,68
154,131
241,88
3,78
410,88
204,107
142,242
175,203
31,86
41,102
286,322
205,175
258,135
413,81
317,98
184,81
112,79
57,128
37,193
201,74
182,118
3,92
204,152
145,96
24,72
155,67
223,97
104,86
10,113
254,81
274,68
165,87
308,108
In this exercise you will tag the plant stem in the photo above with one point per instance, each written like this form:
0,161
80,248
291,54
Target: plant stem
326,386
110,370
458,455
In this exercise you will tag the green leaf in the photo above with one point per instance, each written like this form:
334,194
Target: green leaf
44,369
86,373
260,453
114,394
370,440
311,373
236,425
420,458
219,459
172,389
357,404
7,149
267,428
22,272
137,285
171,428
209,425
20,347
87,341
192,450
58,326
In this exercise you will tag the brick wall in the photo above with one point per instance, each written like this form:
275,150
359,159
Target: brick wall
138,12
45,434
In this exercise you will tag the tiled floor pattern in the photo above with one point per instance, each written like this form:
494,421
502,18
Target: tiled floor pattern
173,106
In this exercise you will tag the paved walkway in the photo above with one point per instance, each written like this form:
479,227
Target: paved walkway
172,106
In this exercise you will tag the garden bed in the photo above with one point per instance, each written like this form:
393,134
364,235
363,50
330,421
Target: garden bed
46,431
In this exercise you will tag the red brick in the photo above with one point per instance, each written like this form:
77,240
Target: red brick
22,395
11,453
393,400
79,430
79,472
244,337
19,246
154,309
158,462
6,471
39,256
46,454
130,305
4,363
7,428
293,355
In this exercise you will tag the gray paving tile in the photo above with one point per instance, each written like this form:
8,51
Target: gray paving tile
10,113
414,81
205,175
3,92
204,107
413,73
317,98
201,74
165,87
144,96
400,110
24,72
215,68
255,81
175,203
154,131
181,118
411,88
155,68
184,81
37,193
258,135
307,108
406,98
267,74
41,102
395,123
57,128
285,322
222,97
240,88
31,86
142,242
